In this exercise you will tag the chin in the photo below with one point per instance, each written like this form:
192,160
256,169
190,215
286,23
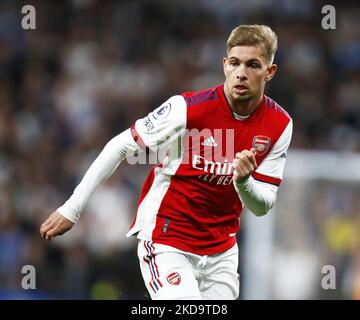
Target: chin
244,97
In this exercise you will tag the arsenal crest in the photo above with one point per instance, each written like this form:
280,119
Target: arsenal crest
261,144
174,278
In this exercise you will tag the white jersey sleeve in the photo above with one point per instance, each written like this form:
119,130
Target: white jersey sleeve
114,152
162,126
258,192
159,127
271,169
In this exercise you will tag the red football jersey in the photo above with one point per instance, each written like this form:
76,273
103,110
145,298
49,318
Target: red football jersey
188,201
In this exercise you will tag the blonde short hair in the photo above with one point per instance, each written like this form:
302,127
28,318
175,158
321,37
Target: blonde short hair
250,35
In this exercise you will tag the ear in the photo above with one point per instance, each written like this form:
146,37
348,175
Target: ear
224,65
270,72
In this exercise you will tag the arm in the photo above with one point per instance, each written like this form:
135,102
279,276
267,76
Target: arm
114,152
258,197
105,164
257,186
154,130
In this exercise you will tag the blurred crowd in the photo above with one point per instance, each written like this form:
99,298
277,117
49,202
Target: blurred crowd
320,232
91,68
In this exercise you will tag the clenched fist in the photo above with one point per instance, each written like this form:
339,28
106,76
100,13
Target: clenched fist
244,165
55,225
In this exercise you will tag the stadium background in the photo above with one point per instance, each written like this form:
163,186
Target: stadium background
91,68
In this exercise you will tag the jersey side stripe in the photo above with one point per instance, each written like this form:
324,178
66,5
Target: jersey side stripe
207,99
267,179
199,99
200,95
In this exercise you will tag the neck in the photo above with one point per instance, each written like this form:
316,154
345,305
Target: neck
243,107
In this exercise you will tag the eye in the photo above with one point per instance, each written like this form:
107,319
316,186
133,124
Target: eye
254,65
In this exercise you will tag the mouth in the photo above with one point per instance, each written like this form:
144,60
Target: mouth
241,89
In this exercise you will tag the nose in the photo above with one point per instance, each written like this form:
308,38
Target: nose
241,75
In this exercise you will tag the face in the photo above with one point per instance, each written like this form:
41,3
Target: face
246,71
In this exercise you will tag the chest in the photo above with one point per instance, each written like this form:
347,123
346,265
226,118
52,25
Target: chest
217,138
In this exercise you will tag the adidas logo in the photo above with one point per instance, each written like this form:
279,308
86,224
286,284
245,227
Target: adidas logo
210,142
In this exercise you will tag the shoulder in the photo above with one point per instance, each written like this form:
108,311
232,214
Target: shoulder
274,109
276,115
197,97
276,119
171,110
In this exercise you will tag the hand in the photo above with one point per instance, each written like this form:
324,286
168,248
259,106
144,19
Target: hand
244,165
55,225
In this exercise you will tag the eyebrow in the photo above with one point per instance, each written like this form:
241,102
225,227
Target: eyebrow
250,60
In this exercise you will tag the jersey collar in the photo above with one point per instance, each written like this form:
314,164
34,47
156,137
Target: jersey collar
226,105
